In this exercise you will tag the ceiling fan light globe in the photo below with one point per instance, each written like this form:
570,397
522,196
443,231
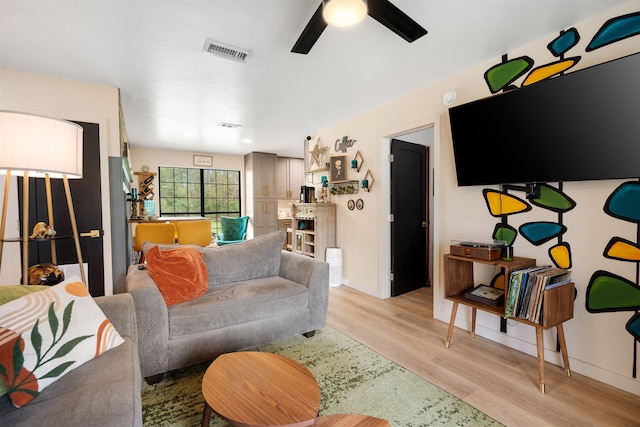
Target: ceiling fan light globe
344,13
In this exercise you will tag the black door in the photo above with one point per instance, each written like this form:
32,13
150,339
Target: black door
409,210
87,203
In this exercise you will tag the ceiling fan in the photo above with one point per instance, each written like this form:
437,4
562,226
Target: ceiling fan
382,11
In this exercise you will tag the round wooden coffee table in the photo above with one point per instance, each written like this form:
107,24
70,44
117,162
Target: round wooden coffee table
260,389
350,420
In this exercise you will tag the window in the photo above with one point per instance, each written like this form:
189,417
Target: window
210,193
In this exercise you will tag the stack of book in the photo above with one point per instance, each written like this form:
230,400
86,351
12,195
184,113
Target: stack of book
526,288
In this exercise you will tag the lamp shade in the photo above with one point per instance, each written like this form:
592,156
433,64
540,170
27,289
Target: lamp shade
344,13
39,145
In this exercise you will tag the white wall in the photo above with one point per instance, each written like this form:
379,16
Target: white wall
68,100
598,344
153,158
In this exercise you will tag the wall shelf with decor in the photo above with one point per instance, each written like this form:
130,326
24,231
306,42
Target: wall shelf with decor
346,187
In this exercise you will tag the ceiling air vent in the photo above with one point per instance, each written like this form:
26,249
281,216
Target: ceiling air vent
225,51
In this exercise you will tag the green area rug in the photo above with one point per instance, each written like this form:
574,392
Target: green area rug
352,379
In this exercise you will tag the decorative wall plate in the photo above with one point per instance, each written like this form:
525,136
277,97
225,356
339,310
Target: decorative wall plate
351,204
360,204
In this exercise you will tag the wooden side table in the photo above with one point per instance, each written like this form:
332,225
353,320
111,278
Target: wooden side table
260,389
557,308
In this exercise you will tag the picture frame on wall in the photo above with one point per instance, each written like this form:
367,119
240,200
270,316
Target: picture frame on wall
202,161
338,168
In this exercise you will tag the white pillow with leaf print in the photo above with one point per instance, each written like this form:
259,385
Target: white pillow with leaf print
45,335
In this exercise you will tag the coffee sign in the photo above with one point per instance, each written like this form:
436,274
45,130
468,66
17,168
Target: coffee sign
343,144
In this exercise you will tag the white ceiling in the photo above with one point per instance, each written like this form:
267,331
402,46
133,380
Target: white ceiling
175,96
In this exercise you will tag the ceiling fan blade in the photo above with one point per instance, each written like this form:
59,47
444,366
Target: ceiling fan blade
311,33
396,20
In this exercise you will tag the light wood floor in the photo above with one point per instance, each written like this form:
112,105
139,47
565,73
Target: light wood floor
497,380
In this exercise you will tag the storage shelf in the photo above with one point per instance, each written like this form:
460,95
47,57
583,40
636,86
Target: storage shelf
318,220
459,298
557,305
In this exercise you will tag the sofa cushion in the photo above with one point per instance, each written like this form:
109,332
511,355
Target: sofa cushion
252,259
237,303
104,392
47,334
180,273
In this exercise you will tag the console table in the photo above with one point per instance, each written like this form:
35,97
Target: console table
557,307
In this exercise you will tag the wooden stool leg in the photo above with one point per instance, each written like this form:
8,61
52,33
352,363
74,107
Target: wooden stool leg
206,415
473,322
563,349
540,346
454,311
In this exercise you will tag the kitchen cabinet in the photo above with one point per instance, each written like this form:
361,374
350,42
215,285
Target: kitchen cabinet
289,178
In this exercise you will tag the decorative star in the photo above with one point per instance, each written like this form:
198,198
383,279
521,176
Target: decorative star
317,154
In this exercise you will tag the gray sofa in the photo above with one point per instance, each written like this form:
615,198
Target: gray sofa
257,293
103,392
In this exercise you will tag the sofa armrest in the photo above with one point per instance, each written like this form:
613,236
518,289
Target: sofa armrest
313,274
152,318
121,312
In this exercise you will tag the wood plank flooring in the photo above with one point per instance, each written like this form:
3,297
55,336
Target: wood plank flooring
497,380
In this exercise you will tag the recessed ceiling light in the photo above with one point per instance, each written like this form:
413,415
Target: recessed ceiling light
229,125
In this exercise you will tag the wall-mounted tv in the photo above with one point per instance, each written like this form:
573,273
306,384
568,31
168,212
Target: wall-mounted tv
584,125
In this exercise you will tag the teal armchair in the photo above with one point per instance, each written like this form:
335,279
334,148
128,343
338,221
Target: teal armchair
232,230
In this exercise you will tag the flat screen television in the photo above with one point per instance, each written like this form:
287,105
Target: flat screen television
581,126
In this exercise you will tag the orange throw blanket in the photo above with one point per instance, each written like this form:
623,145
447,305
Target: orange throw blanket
181,274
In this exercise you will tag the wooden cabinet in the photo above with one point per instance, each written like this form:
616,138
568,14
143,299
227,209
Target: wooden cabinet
261,201
289,178
557,305
313,229
264,216
260,170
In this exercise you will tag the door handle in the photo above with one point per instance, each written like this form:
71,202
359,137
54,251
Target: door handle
424,224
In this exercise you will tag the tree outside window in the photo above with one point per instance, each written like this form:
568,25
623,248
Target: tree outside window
210,193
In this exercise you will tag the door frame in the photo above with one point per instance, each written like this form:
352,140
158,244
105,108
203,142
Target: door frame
384,230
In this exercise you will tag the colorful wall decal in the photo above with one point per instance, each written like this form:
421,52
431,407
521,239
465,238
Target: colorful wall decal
498,281
624,202
608,292
501,75
633,326
616,29
560,254
622,250
549,70
565,41
540,232
501,203
504,231
553,199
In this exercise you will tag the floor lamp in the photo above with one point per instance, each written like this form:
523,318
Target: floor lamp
40,147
